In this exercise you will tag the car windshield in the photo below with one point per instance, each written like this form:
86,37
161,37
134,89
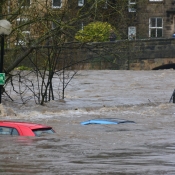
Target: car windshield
43,131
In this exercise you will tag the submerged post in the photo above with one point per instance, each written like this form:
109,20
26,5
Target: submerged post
172,97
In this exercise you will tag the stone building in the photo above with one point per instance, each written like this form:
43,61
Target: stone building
145,18
142,19
154,18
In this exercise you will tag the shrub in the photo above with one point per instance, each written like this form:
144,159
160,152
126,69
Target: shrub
95,32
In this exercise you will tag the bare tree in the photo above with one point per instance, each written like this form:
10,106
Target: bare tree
36,65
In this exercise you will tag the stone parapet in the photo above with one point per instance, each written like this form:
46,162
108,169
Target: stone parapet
134,55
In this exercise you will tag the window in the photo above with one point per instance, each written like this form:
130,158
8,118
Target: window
155,27
82,26
24,3
131,32
105,4
80,3
8,131
23,38
24,31
56,3
40,132
131,5
55,24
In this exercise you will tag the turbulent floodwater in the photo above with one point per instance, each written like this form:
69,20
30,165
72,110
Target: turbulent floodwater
144,148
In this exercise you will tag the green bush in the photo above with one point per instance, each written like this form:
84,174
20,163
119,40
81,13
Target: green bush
95,32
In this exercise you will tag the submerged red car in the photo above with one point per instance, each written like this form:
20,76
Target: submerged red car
24,129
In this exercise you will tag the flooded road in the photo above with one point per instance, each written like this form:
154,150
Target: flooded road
144,148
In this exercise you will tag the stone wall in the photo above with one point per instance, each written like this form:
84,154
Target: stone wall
133,55
152,54
118,55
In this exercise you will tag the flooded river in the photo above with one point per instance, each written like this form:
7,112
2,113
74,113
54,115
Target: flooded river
146,147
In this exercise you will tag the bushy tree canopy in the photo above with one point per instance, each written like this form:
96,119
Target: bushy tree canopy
95,32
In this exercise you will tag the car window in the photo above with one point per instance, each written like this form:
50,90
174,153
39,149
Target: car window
40,132
14,132
8,131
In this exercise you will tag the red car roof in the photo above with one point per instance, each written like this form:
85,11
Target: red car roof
26,124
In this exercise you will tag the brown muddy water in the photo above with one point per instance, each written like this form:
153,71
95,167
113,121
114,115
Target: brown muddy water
144,148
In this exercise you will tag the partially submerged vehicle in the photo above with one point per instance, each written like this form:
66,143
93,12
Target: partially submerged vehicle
106,121
16,128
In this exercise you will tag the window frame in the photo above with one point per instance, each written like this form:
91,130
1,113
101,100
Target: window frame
105,4
80,4
130,4
54,24
22,41
132,31
82,25
156,28
57,7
